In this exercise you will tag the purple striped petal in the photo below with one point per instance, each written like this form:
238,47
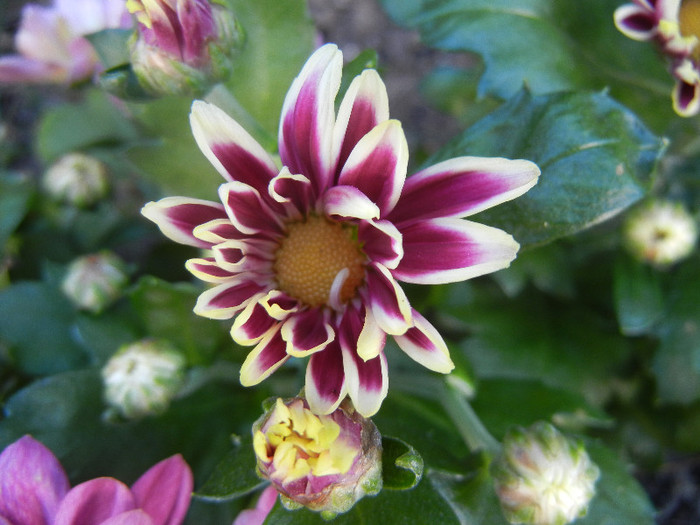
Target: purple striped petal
226,300
425,345
463,186
164,491
177,217
364,105
307,332
269,354
636,22
387,301
132,517
279,305
349,202
686,98
239,256
360,333
207,270
232,151
377,165
246,209
252,324
382,242
367,381
217,231
94,501
32,483
294,192
325,380
308,117
448,250
196,27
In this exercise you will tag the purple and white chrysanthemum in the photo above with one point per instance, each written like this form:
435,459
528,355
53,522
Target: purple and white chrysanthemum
674,25
307,258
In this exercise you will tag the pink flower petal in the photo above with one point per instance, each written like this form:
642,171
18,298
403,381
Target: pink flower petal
377,165
325,379
177,217
208,270
349,202
94,501
686,98
387,301
382,242
263,507
252,324
269,354
234,153
217,231
463,186
359,332
367,381
164,491
635,22
307,332
448,250
425,345
227,299
132,517
247,211
293,192
308,117
241,256
279,305
18,69
364,105
32,483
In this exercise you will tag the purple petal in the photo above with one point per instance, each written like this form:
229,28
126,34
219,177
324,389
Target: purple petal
463,186
449,250
17,69
164,491
246,209
359,332
208,270
367,381
263,507
240,256
94,501
423,343
364,105
197,27
377,165
217,231
32,483
177,217
132,517
349,202
307,332
686,98
308,117
293,192
225,300
638,23
279,305
387,301
265,358
382,242
325,380
252,324
232,151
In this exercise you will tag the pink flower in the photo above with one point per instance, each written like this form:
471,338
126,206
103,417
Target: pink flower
262,508
34,490
50,44
307,258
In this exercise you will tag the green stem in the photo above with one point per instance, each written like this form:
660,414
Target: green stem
467,422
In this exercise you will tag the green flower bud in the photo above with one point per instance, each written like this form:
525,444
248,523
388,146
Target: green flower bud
142,378
77,179
543,477
94,282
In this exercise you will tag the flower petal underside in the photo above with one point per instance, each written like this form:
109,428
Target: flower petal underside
269,354
164,491
424,344
325,379
177,217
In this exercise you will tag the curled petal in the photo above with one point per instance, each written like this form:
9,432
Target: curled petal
294,192
360,333
217,231
233,152
94,502
463,186
308,116
364,105
177,217
269,354
636,22
367,381
252,324
377,165
325,379
382,242
448,250
279,305
208,270
246,210
387,301
307,332
226,300
349,202
164,491
686,98
240,256
425,345
32,482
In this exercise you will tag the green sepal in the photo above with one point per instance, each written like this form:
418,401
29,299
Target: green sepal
402,465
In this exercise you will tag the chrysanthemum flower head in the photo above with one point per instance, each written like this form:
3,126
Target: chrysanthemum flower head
308,257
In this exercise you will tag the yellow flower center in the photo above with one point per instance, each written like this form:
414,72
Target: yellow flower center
689,21
312,254
299,443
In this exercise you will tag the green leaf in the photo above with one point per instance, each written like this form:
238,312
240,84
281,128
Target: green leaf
638,297
402,466
234,476
596,160
111,46
15,194
37,323
95,121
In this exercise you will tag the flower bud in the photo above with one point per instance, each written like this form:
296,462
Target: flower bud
77,179
325,463
93,282
143,377
183,47
660,233
543,477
